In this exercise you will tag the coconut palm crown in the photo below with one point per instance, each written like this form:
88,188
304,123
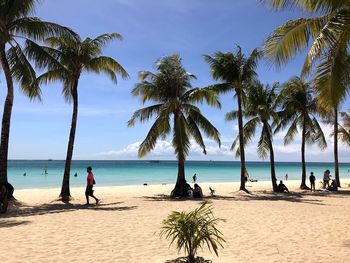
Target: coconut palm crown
174,101
327,36
235,72
16,24
65,59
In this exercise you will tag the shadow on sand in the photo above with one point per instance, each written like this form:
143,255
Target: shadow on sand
22,210
296,197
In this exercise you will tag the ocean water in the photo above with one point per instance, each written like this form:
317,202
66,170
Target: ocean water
108,173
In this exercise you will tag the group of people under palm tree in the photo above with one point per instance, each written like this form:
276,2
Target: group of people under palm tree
62,55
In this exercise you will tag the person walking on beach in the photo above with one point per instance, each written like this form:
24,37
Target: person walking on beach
326,178
194,177
312,181
286,177
90,184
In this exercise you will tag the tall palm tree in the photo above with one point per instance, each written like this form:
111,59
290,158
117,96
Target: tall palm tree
15,23
235,72
299,111
65,60
330,39
171,91
260,108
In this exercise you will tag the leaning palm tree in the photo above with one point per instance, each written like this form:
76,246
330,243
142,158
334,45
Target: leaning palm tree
65,59
299,111
260,109
171,91
330,39
16,25
235,72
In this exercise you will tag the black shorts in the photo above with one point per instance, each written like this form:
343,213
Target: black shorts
89,190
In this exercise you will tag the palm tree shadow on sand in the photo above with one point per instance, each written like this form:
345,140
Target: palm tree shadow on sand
295,197
19,209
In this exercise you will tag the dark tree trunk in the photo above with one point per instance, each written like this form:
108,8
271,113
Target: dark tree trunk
336,163
272,158
65,190
241,139
180,171
303,163
6,116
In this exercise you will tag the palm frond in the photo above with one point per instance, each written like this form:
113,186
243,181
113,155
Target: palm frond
180,141
23,72
36,29
291,38
145,114
104,39
205,125
160,127
107,65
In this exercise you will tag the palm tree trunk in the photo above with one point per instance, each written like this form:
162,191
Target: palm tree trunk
180,171
303,163
336,162
6,116
272,158
241,139
65,190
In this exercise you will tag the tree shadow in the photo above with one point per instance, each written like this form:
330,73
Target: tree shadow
13,223
54,208
240,196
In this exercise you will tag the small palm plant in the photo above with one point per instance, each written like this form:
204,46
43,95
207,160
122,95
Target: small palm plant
193,230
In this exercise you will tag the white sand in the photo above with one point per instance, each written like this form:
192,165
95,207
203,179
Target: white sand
261,227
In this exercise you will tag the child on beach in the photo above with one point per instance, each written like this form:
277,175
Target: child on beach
90,184
312,181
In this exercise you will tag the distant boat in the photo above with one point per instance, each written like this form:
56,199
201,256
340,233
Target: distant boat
154,161
50,160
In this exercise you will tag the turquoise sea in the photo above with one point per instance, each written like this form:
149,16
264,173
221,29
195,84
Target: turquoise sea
108,173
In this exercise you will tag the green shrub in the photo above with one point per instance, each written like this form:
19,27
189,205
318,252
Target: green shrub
193,230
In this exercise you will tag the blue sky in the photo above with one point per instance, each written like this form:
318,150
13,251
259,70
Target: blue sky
151,29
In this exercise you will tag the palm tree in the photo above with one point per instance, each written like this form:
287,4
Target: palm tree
344,130
299,111
193,230
260,107
170,88
329,31
16,24
65,60
235,71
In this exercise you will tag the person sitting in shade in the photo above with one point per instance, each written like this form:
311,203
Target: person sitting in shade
6,194
281,188
333,187
197,191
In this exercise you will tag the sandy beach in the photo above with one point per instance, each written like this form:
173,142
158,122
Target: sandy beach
260,227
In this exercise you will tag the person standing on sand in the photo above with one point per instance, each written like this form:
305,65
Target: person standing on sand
90,184
312,181
326,178
194,177
286,177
